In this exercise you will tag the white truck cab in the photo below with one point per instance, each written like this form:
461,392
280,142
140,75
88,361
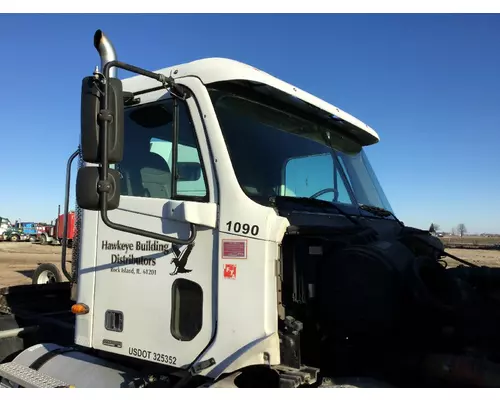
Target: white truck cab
244,137
226,220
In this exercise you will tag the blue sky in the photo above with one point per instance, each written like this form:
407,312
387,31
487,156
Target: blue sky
428,84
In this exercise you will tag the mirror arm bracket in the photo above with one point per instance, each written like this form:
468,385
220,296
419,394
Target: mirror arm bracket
105,116
164,80
103,186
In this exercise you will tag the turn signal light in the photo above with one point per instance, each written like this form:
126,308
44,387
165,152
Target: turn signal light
79,309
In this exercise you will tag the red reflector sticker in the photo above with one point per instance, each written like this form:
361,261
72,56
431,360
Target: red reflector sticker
230,271
234,249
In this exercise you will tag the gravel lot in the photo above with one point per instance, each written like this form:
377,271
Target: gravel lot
19,260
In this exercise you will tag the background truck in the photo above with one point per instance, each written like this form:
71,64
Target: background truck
14,234
43,228
53,234
284,266
28,229
4,225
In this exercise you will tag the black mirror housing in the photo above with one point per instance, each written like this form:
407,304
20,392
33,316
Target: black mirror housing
92,102
87,194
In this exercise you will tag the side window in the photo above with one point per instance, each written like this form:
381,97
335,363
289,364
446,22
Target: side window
147,167
306,176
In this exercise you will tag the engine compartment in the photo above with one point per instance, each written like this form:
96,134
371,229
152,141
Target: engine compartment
364,302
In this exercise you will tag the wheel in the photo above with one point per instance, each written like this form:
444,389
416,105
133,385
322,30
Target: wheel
14,238
43,239
46,273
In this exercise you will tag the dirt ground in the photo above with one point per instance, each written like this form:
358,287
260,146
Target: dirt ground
19,260
489,258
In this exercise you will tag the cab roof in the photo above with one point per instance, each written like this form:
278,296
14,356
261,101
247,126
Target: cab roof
212,70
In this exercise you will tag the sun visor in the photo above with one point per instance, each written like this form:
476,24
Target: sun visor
296,118
363,137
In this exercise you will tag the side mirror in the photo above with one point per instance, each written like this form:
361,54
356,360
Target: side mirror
87,191
188,171
92,103
95,114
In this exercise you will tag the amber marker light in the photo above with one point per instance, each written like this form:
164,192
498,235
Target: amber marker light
79,309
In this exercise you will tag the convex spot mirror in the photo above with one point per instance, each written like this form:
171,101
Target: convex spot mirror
87,194
92,101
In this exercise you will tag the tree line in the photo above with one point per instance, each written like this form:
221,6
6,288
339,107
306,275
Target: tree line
459,230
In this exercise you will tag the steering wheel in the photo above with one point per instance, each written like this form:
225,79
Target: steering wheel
323,191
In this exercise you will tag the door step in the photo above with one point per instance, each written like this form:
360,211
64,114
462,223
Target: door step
29,378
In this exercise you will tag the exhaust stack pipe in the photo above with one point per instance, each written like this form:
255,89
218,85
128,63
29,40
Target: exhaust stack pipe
106,51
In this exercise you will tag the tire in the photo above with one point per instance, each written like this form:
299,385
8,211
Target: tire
46,273
43,240
14,238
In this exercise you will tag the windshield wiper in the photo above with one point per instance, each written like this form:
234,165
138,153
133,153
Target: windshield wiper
323,204
382,212
379,211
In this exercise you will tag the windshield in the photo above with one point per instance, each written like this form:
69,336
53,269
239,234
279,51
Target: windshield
278,153
5,223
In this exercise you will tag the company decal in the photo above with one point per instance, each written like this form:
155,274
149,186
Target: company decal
233,248
180,258
124,255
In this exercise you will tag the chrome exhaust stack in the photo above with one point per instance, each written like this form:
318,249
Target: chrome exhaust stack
106,51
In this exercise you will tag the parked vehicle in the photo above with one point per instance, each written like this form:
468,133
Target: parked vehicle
29,229
53,234
4,225
14,234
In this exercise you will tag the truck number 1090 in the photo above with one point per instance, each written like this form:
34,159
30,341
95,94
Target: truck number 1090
238,227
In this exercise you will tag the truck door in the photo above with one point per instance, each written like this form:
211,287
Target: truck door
153,300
